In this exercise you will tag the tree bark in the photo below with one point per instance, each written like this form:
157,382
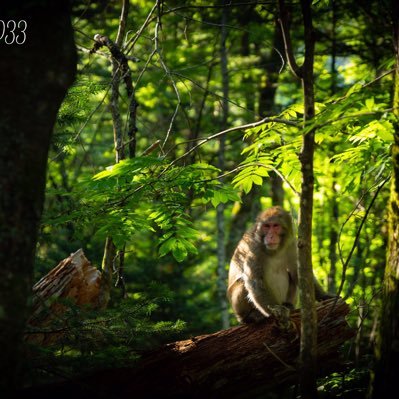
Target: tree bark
220,219
386,369
305,268
35,76
332,248
234,363
120,71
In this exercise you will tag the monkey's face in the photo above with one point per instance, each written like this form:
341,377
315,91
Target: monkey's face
272,233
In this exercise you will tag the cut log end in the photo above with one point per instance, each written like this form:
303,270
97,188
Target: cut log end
74,279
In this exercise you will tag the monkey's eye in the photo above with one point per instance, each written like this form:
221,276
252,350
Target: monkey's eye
275,227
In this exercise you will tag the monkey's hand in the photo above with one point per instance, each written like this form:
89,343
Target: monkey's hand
282,314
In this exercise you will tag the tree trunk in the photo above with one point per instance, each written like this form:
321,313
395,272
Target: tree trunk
332,248
386,370
305,268
35,76
113,260
234,363
221,246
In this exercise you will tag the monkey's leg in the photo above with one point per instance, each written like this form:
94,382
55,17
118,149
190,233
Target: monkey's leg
244,310
254,316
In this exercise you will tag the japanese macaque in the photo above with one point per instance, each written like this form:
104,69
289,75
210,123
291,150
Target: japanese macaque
263,275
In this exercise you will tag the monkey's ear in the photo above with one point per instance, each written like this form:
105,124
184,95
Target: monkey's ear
258,226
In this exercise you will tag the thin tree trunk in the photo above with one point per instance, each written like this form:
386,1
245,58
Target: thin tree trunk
332,248
361,316
110,253
113,260
107,271
331,284
305,270
250,203
307,297
221,246
386,370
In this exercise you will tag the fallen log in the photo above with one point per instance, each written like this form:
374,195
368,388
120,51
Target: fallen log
232,363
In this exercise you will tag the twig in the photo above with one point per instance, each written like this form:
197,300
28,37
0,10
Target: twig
291,368
122,23
158,26
130,43
345,265
232,129
295,68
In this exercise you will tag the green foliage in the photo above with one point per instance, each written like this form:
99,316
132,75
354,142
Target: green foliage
90,338
145,193
347,385
161,207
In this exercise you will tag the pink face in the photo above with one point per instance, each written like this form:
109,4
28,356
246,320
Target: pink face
272,233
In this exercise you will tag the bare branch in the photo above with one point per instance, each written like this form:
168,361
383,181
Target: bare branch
230,130
166,69
295,68
122,23
345,265
130,43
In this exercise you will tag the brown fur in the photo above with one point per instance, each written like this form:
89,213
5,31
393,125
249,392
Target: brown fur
263,282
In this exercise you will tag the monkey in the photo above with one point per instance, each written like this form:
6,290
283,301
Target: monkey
263,273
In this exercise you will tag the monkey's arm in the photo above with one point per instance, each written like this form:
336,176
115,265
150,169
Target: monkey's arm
262,297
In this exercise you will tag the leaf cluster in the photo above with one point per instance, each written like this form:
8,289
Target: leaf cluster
84,338
147,194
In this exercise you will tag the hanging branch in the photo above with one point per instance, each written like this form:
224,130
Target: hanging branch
157,50
283,20
124,70
120,70
357,236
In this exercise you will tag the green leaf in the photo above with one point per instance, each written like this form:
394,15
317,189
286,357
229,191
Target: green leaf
179,251
247,185
370,103
167,247
187,232
257,180
355,88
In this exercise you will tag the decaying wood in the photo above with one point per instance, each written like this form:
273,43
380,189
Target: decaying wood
74,279
230,363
